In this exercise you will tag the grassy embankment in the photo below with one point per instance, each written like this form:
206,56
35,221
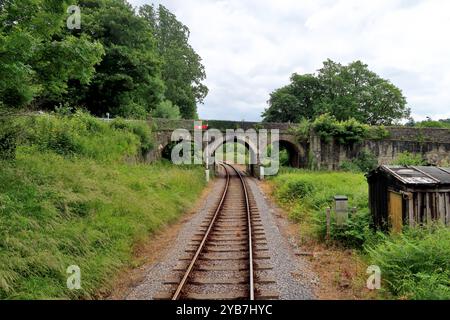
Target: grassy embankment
414,265
75,195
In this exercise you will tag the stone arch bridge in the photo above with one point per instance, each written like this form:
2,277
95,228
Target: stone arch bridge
432,144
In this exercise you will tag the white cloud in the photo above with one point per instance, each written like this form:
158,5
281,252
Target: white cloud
250,48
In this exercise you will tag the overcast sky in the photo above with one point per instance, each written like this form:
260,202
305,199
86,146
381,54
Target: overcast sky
251,47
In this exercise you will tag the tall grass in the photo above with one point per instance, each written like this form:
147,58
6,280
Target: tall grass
416,264
69,199
84,135
307,194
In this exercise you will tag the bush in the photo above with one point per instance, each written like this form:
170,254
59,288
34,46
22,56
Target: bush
326,126
307,194
409,159
416,264
81,135
365,162
354,233
166,110
303,130
344,132
139,128
377,133
8,139
350,166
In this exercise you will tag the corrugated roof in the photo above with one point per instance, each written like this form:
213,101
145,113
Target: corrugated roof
419,174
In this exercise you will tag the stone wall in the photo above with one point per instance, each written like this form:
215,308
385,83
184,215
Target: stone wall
433,144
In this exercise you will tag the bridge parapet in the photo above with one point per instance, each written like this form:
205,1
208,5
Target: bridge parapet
432,143
222,125
419,134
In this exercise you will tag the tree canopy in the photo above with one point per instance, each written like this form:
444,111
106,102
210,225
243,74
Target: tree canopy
345,92
121,62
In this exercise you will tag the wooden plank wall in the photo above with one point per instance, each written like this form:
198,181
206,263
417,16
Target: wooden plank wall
427,207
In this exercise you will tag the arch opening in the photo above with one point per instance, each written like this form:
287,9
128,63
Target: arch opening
236,152
290,154
194,155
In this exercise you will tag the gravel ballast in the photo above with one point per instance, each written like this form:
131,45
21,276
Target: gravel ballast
293,277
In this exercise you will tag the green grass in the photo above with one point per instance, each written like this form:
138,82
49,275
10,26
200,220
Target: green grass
307,194
414,265
82,208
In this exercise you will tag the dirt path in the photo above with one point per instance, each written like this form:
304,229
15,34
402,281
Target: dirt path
156,259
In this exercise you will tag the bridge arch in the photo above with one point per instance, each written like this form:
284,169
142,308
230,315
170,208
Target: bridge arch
249,145
296,154
192,145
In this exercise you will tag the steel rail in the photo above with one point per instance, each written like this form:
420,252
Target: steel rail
250,241
188,272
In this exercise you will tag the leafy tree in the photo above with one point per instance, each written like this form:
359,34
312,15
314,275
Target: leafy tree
166,110
345,92
119,62
295,101
128,80
37,60
182,70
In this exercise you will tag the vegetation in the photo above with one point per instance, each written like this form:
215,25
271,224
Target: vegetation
350,131
429,123
309,193
69,198
414,265
364,162
345,92
120,62
409,159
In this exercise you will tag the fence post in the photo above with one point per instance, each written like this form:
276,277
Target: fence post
328,223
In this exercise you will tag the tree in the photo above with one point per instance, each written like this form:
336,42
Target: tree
119,63
295,101
182,70
166,110
37,59
345,92
128,80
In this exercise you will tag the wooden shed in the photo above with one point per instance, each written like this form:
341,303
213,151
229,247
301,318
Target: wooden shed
413,195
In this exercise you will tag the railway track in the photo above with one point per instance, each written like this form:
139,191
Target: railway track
228,258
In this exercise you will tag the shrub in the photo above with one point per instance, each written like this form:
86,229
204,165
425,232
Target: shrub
409,159
8,139
303,130
166,110
79,135
354,233
416,264
350,166
326,126
349,131
433,124
307,194
377,133
139,128
365,162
